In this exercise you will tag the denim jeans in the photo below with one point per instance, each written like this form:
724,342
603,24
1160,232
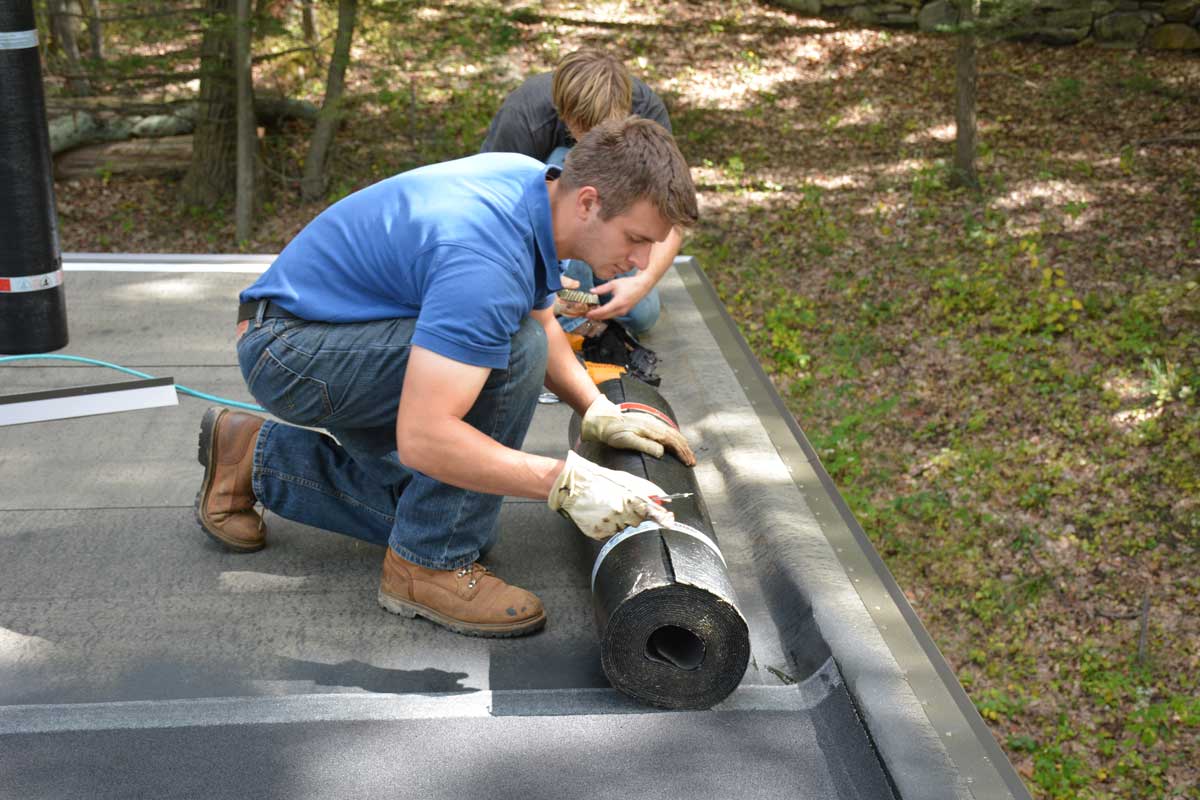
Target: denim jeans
640,318
347,378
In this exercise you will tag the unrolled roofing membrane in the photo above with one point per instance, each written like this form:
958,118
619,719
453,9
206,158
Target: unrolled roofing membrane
138,658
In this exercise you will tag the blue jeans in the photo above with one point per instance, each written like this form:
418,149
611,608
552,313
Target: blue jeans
640,318
347,378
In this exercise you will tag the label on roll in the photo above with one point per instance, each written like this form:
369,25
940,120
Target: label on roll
651,525
18,40
31,283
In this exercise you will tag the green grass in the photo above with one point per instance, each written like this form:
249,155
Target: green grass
1019,455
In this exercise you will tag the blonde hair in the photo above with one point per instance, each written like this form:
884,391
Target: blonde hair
631,159
590,87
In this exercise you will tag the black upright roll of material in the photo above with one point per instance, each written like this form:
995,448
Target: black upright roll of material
33,308
670,631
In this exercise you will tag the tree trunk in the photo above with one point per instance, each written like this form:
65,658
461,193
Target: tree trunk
308,22
966,73
65,27
214,153
247,142
312,185
95,30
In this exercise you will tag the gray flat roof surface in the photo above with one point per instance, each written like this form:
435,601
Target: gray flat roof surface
139,658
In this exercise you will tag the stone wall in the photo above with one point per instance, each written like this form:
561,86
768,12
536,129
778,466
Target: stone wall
1155,24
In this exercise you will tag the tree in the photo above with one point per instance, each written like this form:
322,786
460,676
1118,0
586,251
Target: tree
313,183
95,30
966,72
247,141
65,27
308,22
975,21
214,144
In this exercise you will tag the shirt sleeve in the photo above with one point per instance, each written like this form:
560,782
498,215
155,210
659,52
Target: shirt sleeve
471,307
546,302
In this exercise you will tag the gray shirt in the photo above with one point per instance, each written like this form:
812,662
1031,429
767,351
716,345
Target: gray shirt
528,123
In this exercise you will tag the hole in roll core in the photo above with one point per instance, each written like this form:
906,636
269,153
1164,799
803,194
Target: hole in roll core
676,647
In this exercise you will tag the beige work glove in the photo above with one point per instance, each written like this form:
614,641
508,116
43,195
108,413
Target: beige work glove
604,502
633,430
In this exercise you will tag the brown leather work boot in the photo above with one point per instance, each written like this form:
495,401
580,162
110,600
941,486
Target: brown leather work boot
469,600
225,504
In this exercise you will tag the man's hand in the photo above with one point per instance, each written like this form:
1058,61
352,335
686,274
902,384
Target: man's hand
564,309
633,430
626,293
603,502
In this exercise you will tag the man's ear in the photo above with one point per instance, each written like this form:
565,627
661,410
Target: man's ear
587,202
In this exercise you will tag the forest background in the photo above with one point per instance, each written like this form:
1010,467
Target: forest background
1002,382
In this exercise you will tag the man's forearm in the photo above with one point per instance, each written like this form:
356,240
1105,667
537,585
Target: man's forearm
454,452
433,437
662,256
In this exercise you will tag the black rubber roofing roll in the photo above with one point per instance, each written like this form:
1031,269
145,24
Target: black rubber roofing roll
33,311
670,631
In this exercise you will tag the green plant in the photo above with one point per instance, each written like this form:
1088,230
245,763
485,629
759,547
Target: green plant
735,168
784,333
929,179
1128,156
996,704
1065,91
1166,383
827,234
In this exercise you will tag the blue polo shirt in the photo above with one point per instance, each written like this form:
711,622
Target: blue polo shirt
466,247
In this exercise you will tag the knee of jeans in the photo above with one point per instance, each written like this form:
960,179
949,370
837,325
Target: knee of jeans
643,316
527,361
580,271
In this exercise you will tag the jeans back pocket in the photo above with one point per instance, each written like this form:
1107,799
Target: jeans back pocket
286,392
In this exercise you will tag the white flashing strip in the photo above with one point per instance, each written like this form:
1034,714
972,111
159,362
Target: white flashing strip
18,40
353,707
137,395
651,525
165,262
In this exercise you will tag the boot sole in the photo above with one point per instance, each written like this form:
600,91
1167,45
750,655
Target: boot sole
505,630
205,456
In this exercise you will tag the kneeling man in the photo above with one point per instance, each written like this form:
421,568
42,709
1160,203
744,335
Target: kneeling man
413,321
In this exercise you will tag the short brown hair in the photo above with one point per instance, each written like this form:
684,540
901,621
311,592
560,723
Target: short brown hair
590,87
630,159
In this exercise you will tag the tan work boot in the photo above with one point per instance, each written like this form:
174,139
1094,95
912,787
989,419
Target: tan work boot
225,504
469,600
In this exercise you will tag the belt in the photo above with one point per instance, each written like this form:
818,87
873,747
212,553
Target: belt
249,310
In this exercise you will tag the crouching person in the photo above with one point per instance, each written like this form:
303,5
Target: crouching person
413,321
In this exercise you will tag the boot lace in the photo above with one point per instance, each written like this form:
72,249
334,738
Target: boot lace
476,571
